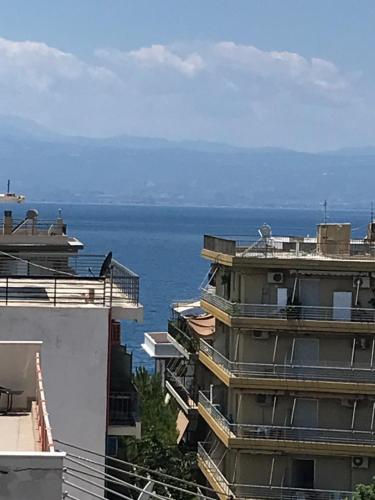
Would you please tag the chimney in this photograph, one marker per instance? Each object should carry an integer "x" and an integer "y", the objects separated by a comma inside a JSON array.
[
  {"x": 8, "y": 222},
  {"x": 333, "y": 239}
]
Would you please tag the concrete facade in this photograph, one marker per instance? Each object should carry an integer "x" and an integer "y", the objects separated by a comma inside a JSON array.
[{"x": 290, "y": 402}]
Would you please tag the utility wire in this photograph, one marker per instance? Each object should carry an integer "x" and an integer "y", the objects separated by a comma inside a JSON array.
[
  {"x": 113, "y": 479},
  {"x": 84, "y": 490},
  {"x": 68, "y": 495},
  {"x": 36, "y": 265},
  {"x": 140, "y": 467},
  {"x": 134, "y": 466},
  {"x": 134, "y": 474},
  {"x": 109, "y": 490}
]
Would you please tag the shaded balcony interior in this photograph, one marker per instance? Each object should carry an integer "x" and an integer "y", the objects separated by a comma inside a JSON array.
[
  {"x": 268, "y": 355},
  {"x": 237, "y": 475},
  {"x": 285, "y": 418},
  {"x": 123, "y": 404}
]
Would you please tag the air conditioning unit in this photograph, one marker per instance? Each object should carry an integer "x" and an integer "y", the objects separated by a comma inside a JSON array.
[
  {"x": 264, "y": 399},
  {"x": 364, "y": 281},
  {"x": 261, "y": 335},
  {"x": 348, "y": 403},
  {"x": 359, "y": 462},
  {"x": 275, "y": 277}
]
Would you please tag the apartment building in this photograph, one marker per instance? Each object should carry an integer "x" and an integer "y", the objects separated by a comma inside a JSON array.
[
  {"x": 290, "y": 403},
  {"x": 176, "y": 359},
  {"x": 31, "y": 468},
  {"x": 75, "y": 304}
]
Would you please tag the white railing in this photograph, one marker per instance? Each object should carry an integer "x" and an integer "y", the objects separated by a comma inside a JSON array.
[
  {"x": 252, "y": 491},
  {"x": 329, "y": 370},
  {"x": 273, "y": 311},
  {"x": 285, "y": 433}
]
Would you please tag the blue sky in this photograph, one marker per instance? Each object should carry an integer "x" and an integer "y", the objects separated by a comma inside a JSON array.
[{"x": 288, "y": 73}]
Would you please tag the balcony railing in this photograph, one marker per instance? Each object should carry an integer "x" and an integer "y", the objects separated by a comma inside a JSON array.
[
  {"x": 184, "y": 386},
  {"x": 252, "y": 491},
  {"x": 329, "y": 371},
  {"x": 188, "y": 342},
  {"x": 273, "y": 311},
  {"x": 44, "y": 427},
  {"x": 66, "y": 280},
  {"x": 123, "y": 408},
  {"x": 289, "y": 247},
  {"x": 285, "y": 433}
]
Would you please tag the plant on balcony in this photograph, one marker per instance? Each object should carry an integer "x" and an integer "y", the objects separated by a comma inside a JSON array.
[{"x": 364, "y": 492}]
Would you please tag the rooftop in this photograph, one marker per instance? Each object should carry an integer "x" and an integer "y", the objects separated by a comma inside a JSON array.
[
  {"x": 332, "y": 243},
  {"x": 33, "y": 233}
]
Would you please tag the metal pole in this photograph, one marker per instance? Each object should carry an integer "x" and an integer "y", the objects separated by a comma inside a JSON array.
[
  {"x": 6, "y": 291},
  {"x": 353, "y": 352},
  {"x": 275, "y": 349},
  {"x": 55, "y": 292}
]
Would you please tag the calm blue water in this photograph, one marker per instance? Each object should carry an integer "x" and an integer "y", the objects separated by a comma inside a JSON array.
[{"x": 162, "y": 244}]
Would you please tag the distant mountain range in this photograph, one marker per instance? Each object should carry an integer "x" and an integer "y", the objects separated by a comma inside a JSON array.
[{"x": 48, "y": 166}]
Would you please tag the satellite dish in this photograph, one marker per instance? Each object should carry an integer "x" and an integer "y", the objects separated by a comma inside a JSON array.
[
  {"x": 106, "y": 266},
  {"x": 265, "y": 231}
]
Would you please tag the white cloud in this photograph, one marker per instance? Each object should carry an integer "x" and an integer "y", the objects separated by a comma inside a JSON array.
[{"x": 216, "y": 91}]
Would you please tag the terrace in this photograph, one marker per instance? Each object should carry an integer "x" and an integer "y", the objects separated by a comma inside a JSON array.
[
  {"x": 336, "y": 377},
  {"x": 65, "y": 280},
  {"x": 345, "y": 441}
]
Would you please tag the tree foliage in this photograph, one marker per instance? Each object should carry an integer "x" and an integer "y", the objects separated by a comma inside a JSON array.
[
  {"x": 364, "y": 492},
  {"x": 157, "y": 449}
]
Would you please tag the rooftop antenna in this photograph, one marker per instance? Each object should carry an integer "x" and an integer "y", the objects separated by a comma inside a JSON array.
[
  {"x": 325, "y": 211},
  {"x": 8, "y": 188},
  {"x": 372, "y": 212}
]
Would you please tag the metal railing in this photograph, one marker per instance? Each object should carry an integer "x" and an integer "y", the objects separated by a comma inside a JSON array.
[
  {"x": 66, "y": 280},
  {"x": 183, "y": 385},
  {"x": 123, "y": 408},
  {"x": 44, "y": 427},
  {"x": 260, "y": 492},
  {"x": 35, "y": 227},
  {"x": 286, "y": 433},
  {"x": 188, "y": 342},
  {"x": 273, "y": 311},
  {"x": 330, "y": 371},
  {"x": 290, "y": 247}
]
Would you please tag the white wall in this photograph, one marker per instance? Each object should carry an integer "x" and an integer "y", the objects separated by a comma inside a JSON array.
[
  {"x": 31, "y": 476},
  {"x": 74, "y": 366},
  {"x": 18, "y": 370}
]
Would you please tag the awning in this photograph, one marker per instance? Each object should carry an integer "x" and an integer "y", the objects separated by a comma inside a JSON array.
[
  {"x": 204, "y": 325},
  {"x": 181, "y": 425},
  {"x": 188, "y": 308}
]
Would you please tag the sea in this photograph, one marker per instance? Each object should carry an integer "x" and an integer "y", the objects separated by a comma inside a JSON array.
[{"x": 163, "y": 244}]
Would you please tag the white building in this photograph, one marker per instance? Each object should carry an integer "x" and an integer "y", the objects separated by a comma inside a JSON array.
[{"x": 73, "y": 304}]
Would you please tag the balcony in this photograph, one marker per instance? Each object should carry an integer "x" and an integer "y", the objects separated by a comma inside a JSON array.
[
  {"x": 181, "y": 387},
  {"x": 326, "y": 377},
  {"x": 123, "y": 419},
  {"x": 188, "y": 342},
  {"x": 290, "y": 439},
  {"x": 226, "y": 490},
  {"x": 68, "y": 281},
  {"x": 273, "y": 315}
]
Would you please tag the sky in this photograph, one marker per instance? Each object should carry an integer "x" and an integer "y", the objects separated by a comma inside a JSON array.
[{"x": 283, "y": 73}]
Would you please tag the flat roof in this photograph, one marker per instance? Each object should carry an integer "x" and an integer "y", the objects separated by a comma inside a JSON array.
[{"x": 17, "y": 433}]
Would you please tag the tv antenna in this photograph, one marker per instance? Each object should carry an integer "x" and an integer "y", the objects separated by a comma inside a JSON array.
[{"x": 325, "y": 204}]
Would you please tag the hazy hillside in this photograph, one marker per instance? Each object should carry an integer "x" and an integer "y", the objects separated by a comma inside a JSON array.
[{"x": 48, "y": 166}]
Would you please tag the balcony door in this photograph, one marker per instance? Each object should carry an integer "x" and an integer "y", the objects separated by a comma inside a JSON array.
[
  {"x": 305, "y": 413},
  {"x": 303, "y": 472},
  {"x": 342, "y": 303},
  {"x": 306, "y": 352},
  {"x": 309, "y": 292}
]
